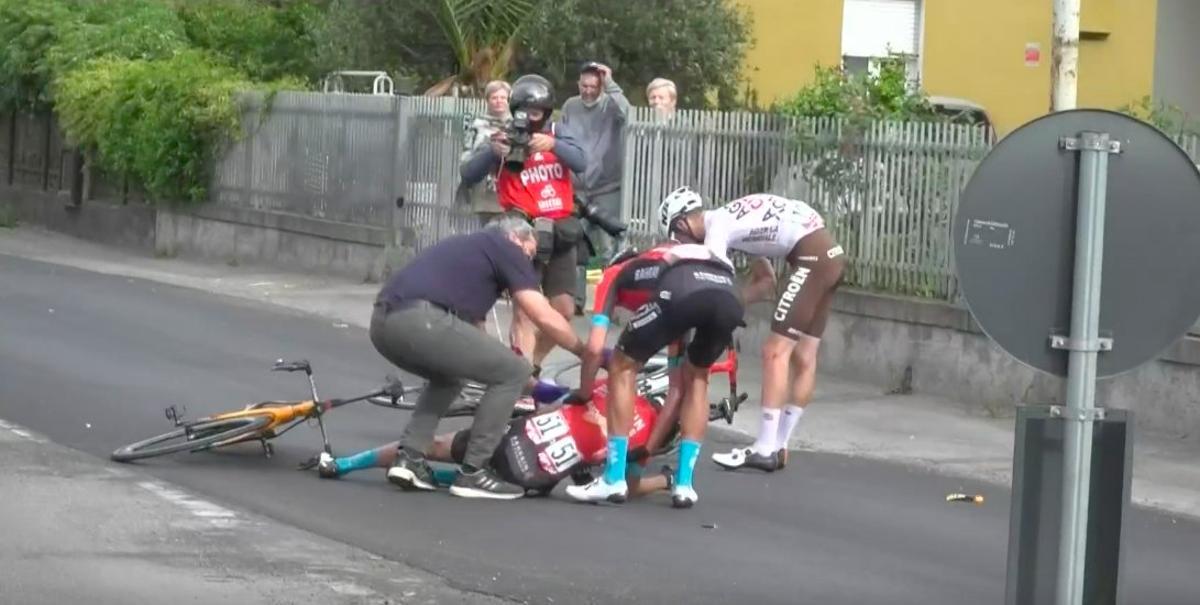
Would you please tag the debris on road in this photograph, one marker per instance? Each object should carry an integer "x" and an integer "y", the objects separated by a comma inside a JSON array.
[{"x": 977, "y": 498}]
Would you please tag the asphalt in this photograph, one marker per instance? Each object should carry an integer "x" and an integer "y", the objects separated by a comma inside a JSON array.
[
  {"x": 90, "y": 359},
  {"x": 77, "y": 530}
]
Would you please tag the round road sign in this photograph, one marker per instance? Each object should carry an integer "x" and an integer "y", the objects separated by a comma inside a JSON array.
[{"x": 1014, "y": 241}]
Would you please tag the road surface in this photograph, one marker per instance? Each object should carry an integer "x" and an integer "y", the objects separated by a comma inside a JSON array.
[{"x": 91, "y": 360}]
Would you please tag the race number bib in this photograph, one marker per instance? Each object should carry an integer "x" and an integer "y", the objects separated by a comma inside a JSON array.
[
  {"x": 560, "y": 456},
  {"x": 545, "y": 428}
]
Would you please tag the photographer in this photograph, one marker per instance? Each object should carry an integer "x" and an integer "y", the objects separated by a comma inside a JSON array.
[{"x": 532, "y": 162}]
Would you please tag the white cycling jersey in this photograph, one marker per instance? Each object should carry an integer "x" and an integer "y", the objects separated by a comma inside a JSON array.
[{"x": 761, "y": 225}]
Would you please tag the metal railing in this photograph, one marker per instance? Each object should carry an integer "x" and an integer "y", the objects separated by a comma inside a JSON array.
[{"x": 888, "y": 190}]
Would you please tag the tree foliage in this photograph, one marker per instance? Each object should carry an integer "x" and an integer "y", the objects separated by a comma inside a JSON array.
[
  {"x": 698, "y": 44},
  {"x": 263, "y": 41},
  {"x": 702, "y": 50},
  {"x": 126, "y": 29},
  {"x": 28, "y": 30}
]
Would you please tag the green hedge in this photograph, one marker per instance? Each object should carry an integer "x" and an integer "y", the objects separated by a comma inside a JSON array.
[
  {"x": 162, "y": 122},
  {"x": 148, "y": 86}
]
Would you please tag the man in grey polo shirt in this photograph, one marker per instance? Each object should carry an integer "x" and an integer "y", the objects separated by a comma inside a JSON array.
[{"x": 596, "y": 118}]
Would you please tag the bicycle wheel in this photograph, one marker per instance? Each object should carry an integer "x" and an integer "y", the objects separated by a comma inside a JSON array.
[{"x": 196, "y": 437}]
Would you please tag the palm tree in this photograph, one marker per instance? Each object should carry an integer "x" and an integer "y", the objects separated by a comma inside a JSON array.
[{"x": 483, "y": 36}]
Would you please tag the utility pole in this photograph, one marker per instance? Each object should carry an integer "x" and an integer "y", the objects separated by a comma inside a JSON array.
[
  {"x": 1077, "y": 454},
  {"x": 1064, "y": 55}
]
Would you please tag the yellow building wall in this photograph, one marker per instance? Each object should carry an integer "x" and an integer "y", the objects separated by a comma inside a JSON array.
[
  {"x": 972, "y": 49},
  {"x": 790, "y": 37},
  {"x": 1119, "y": 69}
]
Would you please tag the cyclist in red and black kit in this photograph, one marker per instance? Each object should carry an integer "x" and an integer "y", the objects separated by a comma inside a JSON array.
[
  {"x": 540, "y": 450},
  {"x": 677, "y": 289}
]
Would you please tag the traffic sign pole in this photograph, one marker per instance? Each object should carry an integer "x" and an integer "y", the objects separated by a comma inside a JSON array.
[{"x": 1084, "y": 346}]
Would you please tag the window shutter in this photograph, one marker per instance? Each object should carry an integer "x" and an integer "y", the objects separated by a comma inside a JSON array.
[{"x": 870, "y": 27}]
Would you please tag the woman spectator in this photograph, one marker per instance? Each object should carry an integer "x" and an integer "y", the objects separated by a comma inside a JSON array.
[
  {"x": 482, "y": 197},
  {"x": 662, "y": 95}
]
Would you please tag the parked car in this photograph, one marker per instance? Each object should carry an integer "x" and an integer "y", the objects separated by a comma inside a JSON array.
[{"x": 964, "y": 111}]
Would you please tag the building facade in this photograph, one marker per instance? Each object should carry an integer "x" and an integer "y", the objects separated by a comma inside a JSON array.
[{"x": 995, "y": 53}]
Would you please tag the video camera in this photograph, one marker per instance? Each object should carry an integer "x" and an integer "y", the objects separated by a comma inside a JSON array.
[
  {"x": 595, "y": 216},
  {"x": 519, "y": 133}
]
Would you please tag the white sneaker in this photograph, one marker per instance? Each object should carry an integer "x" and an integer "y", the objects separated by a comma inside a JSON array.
[
  {"x": 599, "y": 490},
  {"x": 683, "y": 496}
]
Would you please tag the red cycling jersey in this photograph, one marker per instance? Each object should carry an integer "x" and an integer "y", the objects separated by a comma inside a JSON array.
[{"x": 630, "y": 284}]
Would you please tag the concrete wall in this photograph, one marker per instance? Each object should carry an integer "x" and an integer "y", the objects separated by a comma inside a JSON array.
[
  {"x": 929, "y": 347},
  {"x": 216, "y": 233},
  {"x": 282, "y": 240},
  {"x": 129, "y": 226}
]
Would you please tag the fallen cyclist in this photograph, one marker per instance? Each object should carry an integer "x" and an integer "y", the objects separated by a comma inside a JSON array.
[{"x": 539, "y": 450}]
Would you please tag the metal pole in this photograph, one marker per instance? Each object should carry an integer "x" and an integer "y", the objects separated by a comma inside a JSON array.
[
  {"x": 1081, "y": 364},
  {"x": 1064, "y": 69}
]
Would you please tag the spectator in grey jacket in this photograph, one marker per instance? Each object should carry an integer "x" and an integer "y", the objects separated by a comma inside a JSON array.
[{"x": 596, "y": 117}]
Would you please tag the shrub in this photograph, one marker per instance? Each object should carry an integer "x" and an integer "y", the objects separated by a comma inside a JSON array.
[
  {"x": 162, "y": 122},
  {"x": 886, "y": 95}
]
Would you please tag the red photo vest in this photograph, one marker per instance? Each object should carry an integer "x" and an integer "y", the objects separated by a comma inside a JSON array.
[{"x": 542, "y": 188}]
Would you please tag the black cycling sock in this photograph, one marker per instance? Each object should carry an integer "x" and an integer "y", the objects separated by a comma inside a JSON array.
[{"x": 467, "y": 469}]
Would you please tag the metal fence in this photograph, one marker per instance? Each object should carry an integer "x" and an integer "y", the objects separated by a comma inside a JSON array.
[
  {"x": 886, "y": 189},
  {"x": 327, "y": 156},
  {"x": 435, "y": 132}
]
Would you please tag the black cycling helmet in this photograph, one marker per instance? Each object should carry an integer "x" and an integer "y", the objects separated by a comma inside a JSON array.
[{"x": 532, "y": 92}]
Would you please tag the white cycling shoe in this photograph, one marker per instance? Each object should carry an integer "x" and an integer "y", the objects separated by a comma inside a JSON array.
[
  {"x": 683, "y": 496},
  {"x": 600, "y": 490},
  {"x": 748, "y": 458}
]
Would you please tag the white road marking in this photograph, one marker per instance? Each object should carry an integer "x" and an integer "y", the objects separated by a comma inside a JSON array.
[
  {"x": 21, "y": 432},
  {"x": 216, "y": 515}
]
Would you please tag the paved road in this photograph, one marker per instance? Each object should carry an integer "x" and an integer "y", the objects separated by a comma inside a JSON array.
[{"x": 90, "y": 360}]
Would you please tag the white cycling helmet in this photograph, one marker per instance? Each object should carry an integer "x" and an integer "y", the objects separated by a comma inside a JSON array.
[{"x": 680, "y": 201}]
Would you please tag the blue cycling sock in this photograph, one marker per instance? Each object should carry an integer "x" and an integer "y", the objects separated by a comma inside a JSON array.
[
  {"x": 689, "y": 451},
  {"x": 357, "y": 462},
  {"x": 444, "y": 476},
  {"x": 618, "y": 447}
]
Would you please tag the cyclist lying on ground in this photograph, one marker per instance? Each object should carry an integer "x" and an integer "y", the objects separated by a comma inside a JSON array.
[{"x": 540, "y": 449}]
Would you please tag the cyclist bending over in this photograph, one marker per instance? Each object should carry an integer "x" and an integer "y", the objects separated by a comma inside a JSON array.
[
  {"x": 771, "y": 227},
  {"x": 689, "y": 288}
]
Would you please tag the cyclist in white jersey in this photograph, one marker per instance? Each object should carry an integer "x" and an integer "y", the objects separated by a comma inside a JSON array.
[{"x": 771, "y": 227}]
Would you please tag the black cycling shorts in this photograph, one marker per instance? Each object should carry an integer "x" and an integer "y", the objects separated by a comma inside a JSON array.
[{"x": 691, "y": 295}]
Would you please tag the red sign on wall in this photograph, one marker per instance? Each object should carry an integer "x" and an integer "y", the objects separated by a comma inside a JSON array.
[{"x": 1033, "y": 54}]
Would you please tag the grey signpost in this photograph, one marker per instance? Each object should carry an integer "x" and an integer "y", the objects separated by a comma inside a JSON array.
[{"x": 1075, "y": 247}]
